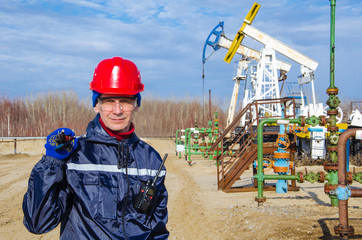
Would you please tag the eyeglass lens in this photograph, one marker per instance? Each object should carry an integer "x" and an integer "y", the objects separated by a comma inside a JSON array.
[{"x": 126, "y": 104}]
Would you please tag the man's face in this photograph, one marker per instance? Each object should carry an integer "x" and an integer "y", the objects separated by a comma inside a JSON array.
[{"x": 116, "y": 111}]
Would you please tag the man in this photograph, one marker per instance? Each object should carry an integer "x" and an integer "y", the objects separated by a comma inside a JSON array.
[{"x": 89, "y": 184}]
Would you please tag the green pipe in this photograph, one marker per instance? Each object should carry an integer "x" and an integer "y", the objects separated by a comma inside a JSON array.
[
  {"x": 188, "y": 146},
  {"x": 281, "y": 177},
  {"x": 260, "y": 173},
  {"x": 177, "y": 136},
  {"x": 277, "y": 177},
  {"x": 188, "y": 132},
  {"x": 334, "y": 200},
  {"x": 186, "y": 139},
  {"x": 332, "y": 178},
  {"x": 196, "y": 153},
  {"x": 333, "y": 103},
  {"x": 198, "y": 148},
  {"x": 212, "y": 133},
  {"x": 333, "y": 17}
]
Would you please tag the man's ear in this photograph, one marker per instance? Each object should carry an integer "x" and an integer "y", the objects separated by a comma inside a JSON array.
[{"x": 96, "y": 108}]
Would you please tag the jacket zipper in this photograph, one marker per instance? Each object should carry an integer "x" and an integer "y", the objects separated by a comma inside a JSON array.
[{"x": 119, "y": 165}]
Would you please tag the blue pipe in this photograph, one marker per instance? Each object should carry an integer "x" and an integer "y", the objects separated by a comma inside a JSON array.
[{"x": 347, "y": 154}]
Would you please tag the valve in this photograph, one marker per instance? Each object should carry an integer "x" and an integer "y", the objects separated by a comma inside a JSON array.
[
  {"x": 333, "y": 101},
  {"x": 298, "y": 129},
  {"x": 267, "y": 164},
  {"x": 333, "y": 138},
  {"x": 358, "y": 177},
  {"x": 313, "y": 121},
  {"x": 311, "y": 177},
  {"x": 283, "y": 141}
]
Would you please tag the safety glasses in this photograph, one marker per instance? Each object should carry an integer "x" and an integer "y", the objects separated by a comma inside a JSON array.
[{"x": 126, "y": 104}]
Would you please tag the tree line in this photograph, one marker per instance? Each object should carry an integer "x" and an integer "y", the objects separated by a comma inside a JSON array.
[{"x": 41, "y": 114}]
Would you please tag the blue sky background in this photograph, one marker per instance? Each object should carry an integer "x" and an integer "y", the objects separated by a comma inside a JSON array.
[{"x": 56, "y": 44}]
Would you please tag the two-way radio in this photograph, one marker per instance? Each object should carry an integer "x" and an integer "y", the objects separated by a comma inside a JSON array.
[{"x": 147, "y": 192}]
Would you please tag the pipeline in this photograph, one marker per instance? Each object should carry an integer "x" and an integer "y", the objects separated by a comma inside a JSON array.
[
  {"x": 333, "y": 103},
  {"x": 281, "y": 163},
  {"x": 330, "y": 176},
  {"x": 192, "y": 137},
  {"x": 343, "y": 192},
  {"x": 260, "y": 177}
]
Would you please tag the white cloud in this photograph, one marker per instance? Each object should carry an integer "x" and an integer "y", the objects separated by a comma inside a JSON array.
[
  {"x": 165, "y": 38},
  {"x": 82, "y": 3}
]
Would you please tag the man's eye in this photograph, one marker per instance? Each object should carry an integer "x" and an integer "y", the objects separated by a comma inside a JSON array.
[{"x": 109, "y": 101}]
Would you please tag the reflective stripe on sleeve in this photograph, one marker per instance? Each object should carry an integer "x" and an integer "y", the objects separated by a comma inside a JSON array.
[{"x": 114, "y": 168}]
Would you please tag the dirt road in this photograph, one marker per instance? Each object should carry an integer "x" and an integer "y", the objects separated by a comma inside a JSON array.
[{"x": 197, "y": 210}]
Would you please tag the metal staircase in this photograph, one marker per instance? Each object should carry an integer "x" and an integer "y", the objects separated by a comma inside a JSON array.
[{"x": 237, "y": 147}]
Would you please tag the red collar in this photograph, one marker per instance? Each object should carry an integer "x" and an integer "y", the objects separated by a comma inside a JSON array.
[{"x": 118, "y": 135}]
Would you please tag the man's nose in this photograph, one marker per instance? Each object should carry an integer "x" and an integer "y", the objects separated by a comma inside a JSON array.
[{"x": 117, "y": 108}]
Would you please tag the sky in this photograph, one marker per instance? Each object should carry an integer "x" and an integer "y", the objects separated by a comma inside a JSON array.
[{"x": 55, "y": 45}]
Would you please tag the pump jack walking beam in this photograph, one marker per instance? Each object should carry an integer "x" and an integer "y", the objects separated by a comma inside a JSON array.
[
  {"x": 247, "y": 29},
  {"x": 240, "y": 34}
]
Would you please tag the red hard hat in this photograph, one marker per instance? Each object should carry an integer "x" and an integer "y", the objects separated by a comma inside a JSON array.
[{"x": 117, "y": 76}]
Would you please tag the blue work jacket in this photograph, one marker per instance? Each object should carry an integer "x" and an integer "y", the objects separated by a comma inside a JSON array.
[{"x": 92, "y": 192}]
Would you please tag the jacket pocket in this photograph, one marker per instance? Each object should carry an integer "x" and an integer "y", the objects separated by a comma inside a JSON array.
[
  {"x": 98, "y": 194},
  {"x": 88, "y": 192},
  {"x": 108, "y": 195}
]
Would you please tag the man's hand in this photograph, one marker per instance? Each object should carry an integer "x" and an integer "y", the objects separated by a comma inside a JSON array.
[{"x": 61, "y": 143}]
